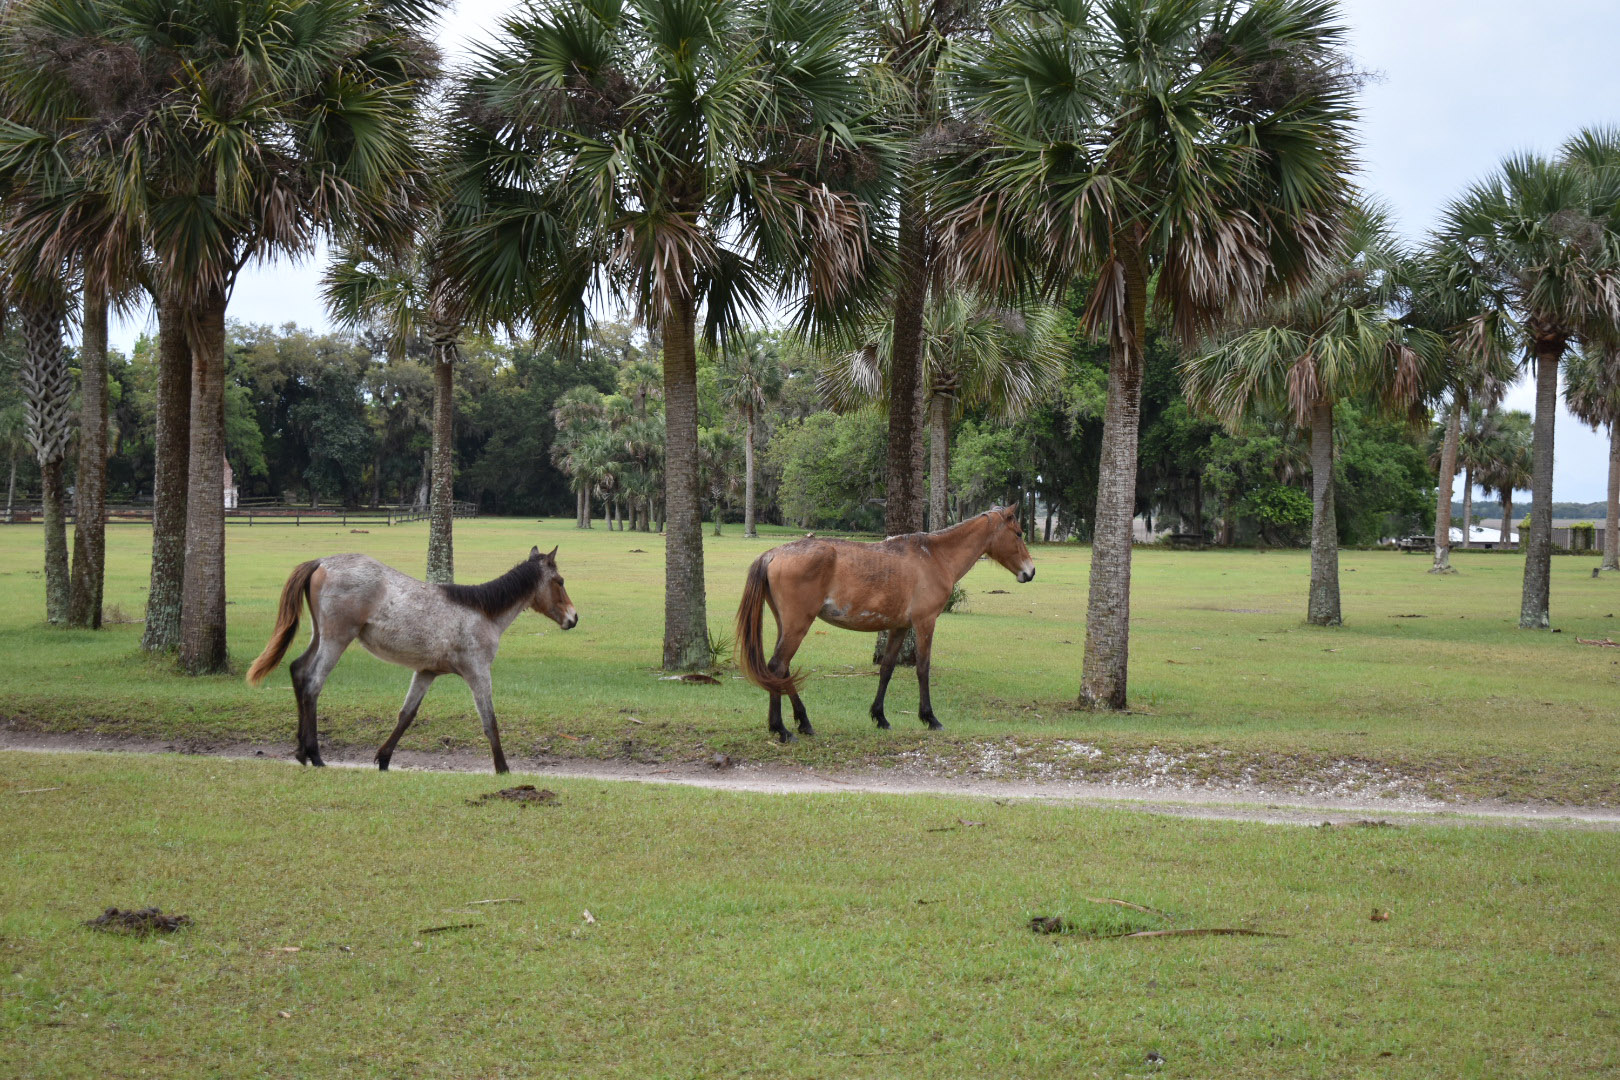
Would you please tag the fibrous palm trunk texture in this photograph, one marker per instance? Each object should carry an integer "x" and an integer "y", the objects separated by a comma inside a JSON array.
[
  {"x": 47, "y": 402},
  {"x": 172, "y": 461}
]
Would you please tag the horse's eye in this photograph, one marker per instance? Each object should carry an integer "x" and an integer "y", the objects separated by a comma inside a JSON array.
[{"x": 559, "y": 583}]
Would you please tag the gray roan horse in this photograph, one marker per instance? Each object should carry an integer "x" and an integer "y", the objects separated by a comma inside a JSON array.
[{"x": 432, "y": 629}]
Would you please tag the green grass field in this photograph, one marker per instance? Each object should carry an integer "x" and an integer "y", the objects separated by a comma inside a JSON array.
[
  {"x": 1429, "y": 687},
  {"x": 779, "y": 936}
]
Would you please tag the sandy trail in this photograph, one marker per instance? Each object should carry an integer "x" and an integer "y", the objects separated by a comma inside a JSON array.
[{"x": 1221, "y": 805}]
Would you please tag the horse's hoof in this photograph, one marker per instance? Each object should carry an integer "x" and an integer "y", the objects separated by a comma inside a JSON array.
[
  {"x": 933, "y": 725},
  {"x": 807, "y": 731},
  {"x": 785, "y": 737},
  {"x": 382, "y": 764},
  {"x": 882, "y": 722}
]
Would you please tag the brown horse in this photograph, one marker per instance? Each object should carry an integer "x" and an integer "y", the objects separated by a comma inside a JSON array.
[
  {"x": 432, "y": 629},
  {"x": 901, "y": 582}
]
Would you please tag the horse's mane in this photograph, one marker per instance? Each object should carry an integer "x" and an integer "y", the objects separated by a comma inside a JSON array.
[{"x": 497, "y": 597}]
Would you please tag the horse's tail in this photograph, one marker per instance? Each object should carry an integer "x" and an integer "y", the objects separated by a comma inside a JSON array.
[
  {"x": 293, "y": 595},
  {"x": 751, "y": 633}
]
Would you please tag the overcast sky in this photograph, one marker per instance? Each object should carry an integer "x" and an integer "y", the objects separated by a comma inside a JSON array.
[{"x": 1461, "y": 83}]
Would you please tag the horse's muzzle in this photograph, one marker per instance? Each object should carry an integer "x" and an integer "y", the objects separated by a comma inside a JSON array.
[
  {"x": 571, "y": 621},
  {"x": 1026, "y": 575}
]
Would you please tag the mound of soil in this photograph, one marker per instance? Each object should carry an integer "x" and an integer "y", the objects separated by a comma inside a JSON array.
[
  {"x": 523, "y": 794},
  {"x": 140, "y": 923}
]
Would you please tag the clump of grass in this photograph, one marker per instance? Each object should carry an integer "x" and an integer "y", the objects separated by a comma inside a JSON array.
[{"x": 1098, "y": 919}]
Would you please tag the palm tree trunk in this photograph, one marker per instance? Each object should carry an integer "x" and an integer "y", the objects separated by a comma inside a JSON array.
[
  {"x": 579, "y": 508},
  {"x": 11, "y": 488},
  {"x": 1108, "y": 606},
  {"x": 749, "y": 531},
  {"x": 686, "y": 628},
  {"x": 1611, "y": 524},
  {"x": 202, "y": 616},
  {"x": 939, "y": 461},
  {"x": 1442, "y": 498},
  {"x": 1324, "y": 603},
  {"x": 1534, "y": 603},
  {"x": 90, "y": 492},
  {"x": 1507, "y": 516},
  {"x": 53, "y": 513},
  {"x": 441, "y": 558},
  {"x": 48, "y": 398},
  {"x": 172, "y": 461},
  {"x": 905, "y": 499},
  {"x": 1468, "y": 508}
]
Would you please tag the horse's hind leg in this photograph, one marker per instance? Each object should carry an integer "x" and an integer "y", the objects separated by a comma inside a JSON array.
[
  {"x": 788, "y": 639},
  {"x": 478, "y": 682},
  {"x": 309, "y": 675},
  {"x": 891, "y": 656},
  {"x": 925, "y": 656},
  {"x": 801, "y": 716},
  {"x": 420, "y": 681}
]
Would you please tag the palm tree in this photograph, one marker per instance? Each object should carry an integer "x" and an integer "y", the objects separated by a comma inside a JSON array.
[
  {"x": 1454, "y": 302},
  {"x": 750, "y": 379},
  {"x": 912, "y": 41},
  {"x": 1200, "y": 145},
  {"x": 1505, "y": 465},
  {"x": 242, "y": 131},
  {"x": 689, "y": 158},
  {"x": 47, "y": 387},
  {"x": 643, "y": 442},
  {"x": 1330, "y": 341},
  {"x": 171, "y": 454},
  {"x": 60, "y": 225},
  {"x": 717, "y": 461},
  {"x": 1543, "y": 231},
  {"x": 1473, "y": 452},
  {"x": 979, "y": 355},
  {"x": 403, "y": 294},
  {"x": 1592, "y": 388},
  {"x": 576, "y": 414}
]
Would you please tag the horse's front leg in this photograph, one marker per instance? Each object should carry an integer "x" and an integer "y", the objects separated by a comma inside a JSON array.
[
  {"x": 484, "y": 699},
  {"x": 891, "y": 656},
  {"x": 925, "y": 656},
  {"x": 420, "y": 682}
]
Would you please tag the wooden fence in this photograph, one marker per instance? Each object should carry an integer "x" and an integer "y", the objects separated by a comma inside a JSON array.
[{"x": 255, "y": 512}]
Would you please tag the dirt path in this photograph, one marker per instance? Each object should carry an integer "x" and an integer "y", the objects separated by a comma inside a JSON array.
[{"x": 1226, "y": 805}]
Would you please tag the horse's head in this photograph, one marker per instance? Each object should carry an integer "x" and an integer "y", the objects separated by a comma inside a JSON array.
[
  {"x": 550, "y": 598},
  {"x": 1007, "y": 544}
]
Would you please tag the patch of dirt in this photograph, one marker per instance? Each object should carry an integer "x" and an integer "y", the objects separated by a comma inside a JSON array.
[
  {"x": 523, "y": 794},
  {"x": 140, "y": 923}
]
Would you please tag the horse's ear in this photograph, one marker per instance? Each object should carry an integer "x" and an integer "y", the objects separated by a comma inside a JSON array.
[
  {"x": 551, "y": 557},
  {"x": 1009, "y": 511},
  {"x": 534, "y": 553}
]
